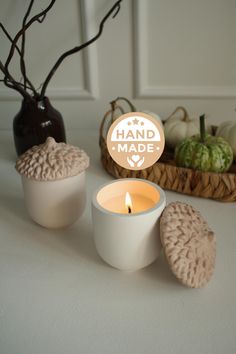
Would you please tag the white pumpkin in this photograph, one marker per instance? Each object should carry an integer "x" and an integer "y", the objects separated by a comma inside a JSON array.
[
  {"x": 154, "y": 115},
  {"x": 177, "y": 128},
  {"x": 133, "y": 109},
  {"x": 227, "y": 130}
]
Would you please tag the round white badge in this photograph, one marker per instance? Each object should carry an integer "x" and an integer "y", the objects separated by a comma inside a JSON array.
[{"x": 135, "y": 140}]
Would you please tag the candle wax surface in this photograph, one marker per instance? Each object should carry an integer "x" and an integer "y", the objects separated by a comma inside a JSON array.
[{"x": 139, "y": 203}]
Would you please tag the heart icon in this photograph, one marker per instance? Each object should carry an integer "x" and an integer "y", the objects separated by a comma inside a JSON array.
[{"x": 135, "y": 158}]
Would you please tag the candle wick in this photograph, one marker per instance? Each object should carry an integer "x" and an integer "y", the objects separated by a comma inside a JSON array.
[{"x": 129, "y": 210}]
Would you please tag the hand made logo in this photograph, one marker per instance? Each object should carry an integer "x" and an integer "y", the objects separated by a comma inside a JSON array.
[{"x": 135, "y": 140}]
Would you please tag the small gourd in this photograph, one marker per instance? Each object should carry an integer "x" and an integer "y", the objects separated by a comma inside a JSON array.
[
  {"x": 117, "y": 110},
  {"x": 177, "y": 128},
  {"x": 204, "y": 152},
  {"x": 227, "y": 130}
]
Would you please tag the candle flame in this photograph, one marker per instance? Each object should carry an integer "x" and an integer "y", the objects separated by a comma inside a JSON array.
[{"x": 128, "y": 202}]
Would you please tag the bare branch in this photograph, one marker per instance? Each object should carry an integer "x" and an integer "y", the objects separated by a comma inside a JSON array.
[
  {"x": 19, "y": 83},
  {"x": 22, "y": 61},
  {"x": 10, "y": 82},
  {"x": 22, "y": 31},
  {"x": 79, "y": 48},
  {"x": 30, "y": 85},
  {"x": 40, "y": 20},
  {"x": 22, "y": 87}
]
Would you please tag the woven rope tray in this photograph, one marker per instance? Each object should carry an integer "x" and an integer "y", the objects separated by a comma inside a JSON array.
[{"x": 218, "y": 186}]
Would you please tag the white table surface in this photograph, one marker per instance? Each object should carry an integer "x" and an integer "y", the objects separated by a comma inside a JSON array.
[{"x": 58, "y": 296}]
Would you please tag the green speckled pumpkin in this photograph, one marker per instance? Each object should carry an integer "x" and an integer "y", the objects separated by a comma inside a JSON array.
[{"x": 204, "y": 152}]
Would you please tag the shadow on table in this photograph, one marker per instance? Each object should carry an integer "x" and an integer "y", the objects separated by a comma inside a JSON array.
[
  {"x": 75, "y": 241},
  {"x": 160, "y": 273},
  {"x": 12, "y": 209}
]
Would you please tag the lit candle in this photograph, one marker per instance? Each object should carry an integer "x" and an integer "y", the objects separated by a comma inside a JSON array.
[
  {"x": 126, "y": 222},
  {"x": 128, "y": 202}
]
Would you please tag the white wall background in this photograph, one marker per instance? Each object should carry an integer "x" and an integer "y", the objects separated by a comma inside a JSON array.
[{"x": 160, "y": 53}]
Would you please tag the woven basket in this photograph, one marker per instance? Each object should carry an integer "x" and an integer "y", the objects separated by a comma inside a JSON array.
[{"x": 218, "y": 186}]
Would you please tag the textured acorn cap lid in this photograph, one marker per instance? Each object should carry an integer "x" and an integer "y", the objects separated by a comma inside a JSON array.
[
  {"x": 189, "y": 244},
  {"x": 52, "y": 161}
]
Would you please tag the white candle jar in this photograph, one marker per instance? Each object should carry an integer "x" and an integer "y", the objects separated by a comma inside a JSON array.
[
  {"x": 128, "y": 241},
  {"x": 53, "y": 178},
  {"x": 55, "y": 204}
]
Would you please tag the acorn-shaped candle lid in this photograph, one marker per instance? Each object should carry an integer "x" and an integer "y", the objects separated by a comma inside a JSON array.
[
  {"x": 52, "y": 161},
  {"x": 189, "y": 244}
]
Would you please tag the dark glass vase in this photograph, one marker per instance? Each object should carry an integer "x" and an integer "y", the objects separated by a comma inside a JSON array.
[{"x": 36, "y": 121}]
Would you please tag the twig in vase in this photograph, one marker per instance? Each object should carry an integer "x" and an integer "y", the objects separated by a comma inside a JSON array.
[
  {"x": 19, "y": 83},
  {"x": 11, "y": 83},
  {"x": 78, "y": 48},
  {"x": 22, "y": 88},
  {"x": 25, "y": 78},
  {"x": 20, "y": 33},
  {"x": 22, "y": 54}
]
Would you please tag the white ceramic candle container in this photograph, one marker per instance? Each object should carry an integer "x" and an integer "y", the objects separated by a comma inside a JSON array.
[
  {"x": 128, "y": 238},
  {"x": 53, "y": 178}
]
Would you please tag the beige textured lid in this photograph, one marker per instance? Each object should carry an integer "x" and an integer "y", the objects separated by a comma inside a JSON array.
[
  {"x": 189, "y": 244},
  {"x": 52, "y": 161}
]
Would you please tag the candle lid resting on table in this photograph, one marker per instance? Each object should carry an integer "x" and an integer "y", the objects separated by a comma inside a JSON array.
[
  {"x": 189, "y": 244},
  {"x": 52, "y": 161}
]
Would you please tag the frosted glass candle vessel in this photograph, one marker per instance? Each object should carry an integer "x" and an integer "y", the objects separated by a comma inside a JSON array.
[
  {"x": 53, "y": 178},
  {"x": 126, "y": 230}
]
